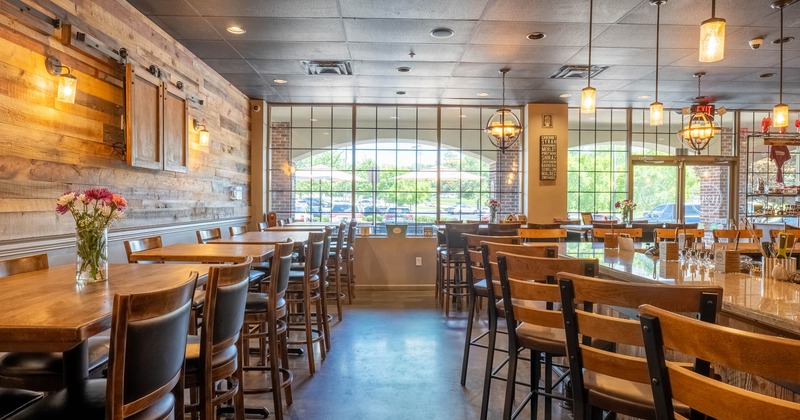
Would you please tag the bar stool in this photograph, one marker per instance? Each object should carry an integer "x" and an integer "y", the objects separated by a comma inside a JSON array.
[
  {"x": 503, "y": 229},
  {"x": 335, "y": 269},
  {"x": 304, "y": 293},
  {"x": 348, "y": 259},
  {"x": 259, "y": 270},
  {"x": 453, "y": 263}
]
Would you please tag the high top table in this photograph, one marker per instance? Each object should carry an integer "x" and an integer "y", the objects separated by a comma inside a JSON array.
[
  {"x": 208, "y": 253},
  {"x": 46, "y": 310}
]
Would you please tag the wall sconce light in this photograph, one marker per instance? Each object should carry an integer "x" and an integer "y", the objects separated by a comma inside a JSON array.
[
  {"x": 67, "y": 83},
  {"x": 203, "y": 139}
]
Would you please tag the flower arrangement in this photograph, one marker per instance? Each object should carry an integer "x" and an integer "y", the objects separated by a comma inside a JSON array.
[
  {"x": 626, "y": 207},
  {"x": 94, "y": 210},
  {"x": 494, "y": 205}
]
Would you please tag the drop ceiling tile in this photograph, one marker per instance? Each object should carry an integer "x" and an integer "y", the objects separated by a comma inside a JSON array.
[
  {"x": 321, "y": 81},
  {"x": 494, "y": 82},
  {"x": 291, "y": 50},
  {"x": 401, "y": 82},
  {"x": 383, "y": 92},
  {"x": 504, "y": 54},
  {"x": 211, "y": 49},
  {"x": 192, "y": 28},
  {"x": 626, "y": 72},
  {"x": 244, "y": 79},
  {"x": 229, "y": 65},
  {"x": 629, "y": 56},
  {"x": 735, "y": 12},
  {"x": 513, "y": 97},
  {"x": 392, "y": 51},
  {"x": 413, "y": 9},
  {"x": 513, "y": 33},
  {"x": 406, "y": 31},
  {"x": 644, "y": 36},
  {"x": 561, "y": 11},
  {"x": 163, "y": 8},
  {"x": 271, "y": 8},
  {"x": 523, "y": 70},
  {"x": 575, "y": 86},
  {"x": 280, "y": 29},
  {"x": 418, "y": 68}
]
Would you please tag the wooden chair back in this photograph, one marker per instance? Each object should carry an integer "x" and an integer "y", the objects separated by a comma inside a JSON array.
[
  {"x": 23, "y": 265},
  {"x": 553, "y": 225},
  {"x": 586, "y": 218},
  {"x": 142, "y": 325},
  {"x": 337, "y": 247},
  {"x": 453, "y": 231},
  {"x": 474, "y": 241},
  {"x": 143, "y": 245},
  {"x": 537, "y": 250},
  {"x": 315, "y": 252},
  {"x": 729, "y": 235},
  {"x": 579, "y": 297},
  {"x": 600, "y": 233},
  {"x": 205, "y": 235},
  {"x": 543, "y": 269},
  {"x": 348, "y": 248},
  {"x": 272, "y": 219},
  {"x": 673, "y": 233},
  {"x": 751, "y": 353},
  {"x": 280, "y": 271},
  {"x": 556, "y": 235},
  {"x": 773, "y": 233},
  {"x": 504, "y": 229},
  {"x": 262, "y": 226},
  {"x": 237, "y": 230}
]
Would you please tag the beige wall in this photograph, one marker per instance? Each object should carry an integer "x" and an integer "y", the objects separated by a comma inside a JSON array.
[
  {"x": 389, "y": 263},
  {"x": 545, "y": 200}
]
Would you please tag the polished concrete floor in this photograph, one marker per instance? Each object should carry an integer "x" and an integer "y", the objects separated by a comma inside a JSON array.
[{"x": 395, "y": 356}]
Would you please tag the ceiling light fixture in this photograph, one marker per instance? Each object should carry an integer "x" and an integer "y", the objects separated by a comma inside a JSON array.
[
  {"x": 536, "y": 35},
  {"x": 236, "y": 30},
  {"x": 701, "y": 128},
  {"x": 780, "y": 112},
  {"x": 503, "y": 127},
  {"x": 643, "y": 97},
  {"x": 712, "y": 37},
  {"x": 280, "y": 81},
  {"x": 442, "y": 33},
  {"x": 565, "y": 95},
  {"x": 404, "y": 69},
  {"x": 67, "y": 83},
  {"x": 589, "y": 94},
  {"x": 401, "y": 92},
  {"x": 483, "y": 93},
  {"x": 657, "y": 108}
]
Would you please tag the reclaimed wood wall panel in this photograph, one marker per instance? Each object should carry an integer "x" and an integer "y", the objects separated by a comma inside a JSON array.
[{"x": 48, "y": 147}]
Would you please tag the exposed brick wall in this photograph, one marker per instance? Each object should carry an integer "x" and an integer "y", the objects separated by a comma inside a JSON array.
[
  {"x": 281, "y": 183},
  {"x": 714, "y": 194},
  {"x": 505, "y": 182}
]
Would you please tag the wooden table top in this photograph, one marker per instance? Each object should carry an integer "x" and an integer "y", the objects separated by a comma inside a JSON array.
[
  {"x": 209, "y": 253},
  {"x": 293, "y": 228},
  {"x": 45, "y": 310},
  {"x": 268, "y": 238}
]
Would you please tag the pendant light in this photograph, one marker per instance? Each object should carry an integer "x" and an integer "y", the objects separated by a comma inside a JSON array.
[
  {"x": 589, "y": 94},
  {"x": 503, "y": 127},
  {"x": 657, "y": 108},
  {"x": 712, "y": 37},
  {"x": 780, "y": 113},
  {"x": 697, "y": 135}
]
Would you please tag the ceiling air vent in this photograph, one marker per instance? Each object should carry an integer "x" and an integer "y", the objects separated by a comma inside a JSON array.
[
  {"x": 343, "y": 68},
  {"x": 577, "y": 72}
]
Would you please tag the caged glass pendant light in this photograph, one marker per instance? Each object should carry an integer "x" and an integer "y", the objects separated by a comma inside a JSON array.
[
  {"x": 589, "y": 94},
  {"x": 780, "y": 112},
  {"x": 712, "y": 37},
  {"x": 701, "y": 129},
  {"x": 503, "y": 127},
  {"x": 657, "y": 108}
]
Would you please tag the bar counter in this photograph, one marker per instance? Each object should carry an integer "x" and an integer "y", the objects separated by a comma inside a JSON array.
[{"x": 766, "y": 304}]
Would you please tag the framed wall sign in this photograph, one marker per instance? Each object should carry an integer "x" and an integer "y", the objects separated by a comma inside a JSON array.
[
  {"x": 548, "y": 157},
  {"x": 547, "y": 120}
]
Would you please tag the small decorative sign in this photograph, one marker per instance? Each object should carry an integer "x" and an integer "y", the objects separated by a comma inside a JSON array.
[{"x": 548, "y": 157}]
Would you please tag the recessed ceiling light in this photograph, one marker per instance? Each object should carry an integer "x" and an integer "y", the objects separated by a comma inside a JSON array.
[
  {"x": 536, "y": 35},
  {"x": 314, "y": 120},
  {"x": 236, "y": 30},
  {"x": 401, "y": 92},
  {"x": 442, "y": 33},
  {"x": 766, "y": 75},
  {"x": 783, "y": 40},
  {"x": 483, "y": 94},
  {"x": 463, "y": 116},
  {"x": 565, "y": 95},
  {"x": 393, "y": 117},
  {"x": 643, "y": 96},
  {"x": 279, "y": 81},
  {"x": 404, "y": 69}
]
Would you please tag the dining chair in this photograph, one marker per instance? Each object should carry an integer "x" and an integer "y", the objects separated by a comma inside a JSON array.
[
  {"x": 540, "y": 235},
  {"x": 750, "y": 353},
  {"x": 529, "y": 290},
  {"x": 143, "y": 244},
  {"x": 139, "y": 385},
  {"x": 600, "y": 233},
  {"x": 454, "y": 286},
  {"x": 41, "y": 371},
  {"x": 662, "y": 234},
  {"x": 205, "y": 235},
  {"x": 304, "y": 295},
  {"x": 586, "y": 218},
  {"x": 504, "y": 229},
  {"x": 773, "y": 233},
  {"x": 265, "y": 321},
  {"x": 729, "y": 235},
  {"x": 603, "y": 379},
  {"x": 263, "y": 226},
  {"x": 272, "y": 219},
  {"x": 237, "y": 230},
  {"x": 213, "y": 359}
]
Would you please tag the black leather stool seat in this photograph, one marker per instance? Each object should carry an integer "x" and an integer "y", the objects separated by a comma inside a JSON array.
[
  {"x": 43, "y": 371},
  {"x": 257, "y": 302},
  {"x": 89, "y": 402},
  {"x": 256, "y": 276},
  {"x": 193, "y": 358},
  {"x": 13, "y": 400}
]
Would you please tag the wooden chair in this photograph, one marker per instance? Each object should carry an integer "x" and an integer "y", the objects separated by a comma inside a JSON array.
[
  {"x": 773, "y": 233},
  {"x": 541, "y": 330},
  {"x": 556, "y": 235},
  {"x": 205, "y": 235},
  {"x": 265, "y": 320},
  {"x": 138, "y": 385},
  {"x": 751, "y": 353},
  {"x": 586, "y": 218},
  {"x": 304, "y": 295},
  {"x": 237, "y": 230},
  {"x": 142, "y": 245},
  {"x": 41, "y": 371},
  {"x": 262, "y": 226},
  {"x": 476, "y": 286},
  {"x": 613, "y": 382},
  {"x": 729, "y": 235},
  {"x": 599, "y": 233},
  {"x": 272, "y": 219},
  {"x": 544, "y": 225},
  {"x": 504, "y": 229},
  {"x": 213, "y": 364},
  {"x": 454, "y": 286},
  {"x": 662, "y": 234}
]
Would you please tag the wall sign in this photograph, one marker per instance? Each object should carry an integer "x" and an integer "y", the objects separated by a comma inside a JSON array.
[{"x": 548, "y": 158}]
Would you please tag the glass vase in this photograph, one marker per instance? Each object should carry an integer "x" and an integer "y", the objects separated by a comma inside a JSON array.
[
  {"x": 91, "y": 249},
  {"x": 493, "y": 216}
]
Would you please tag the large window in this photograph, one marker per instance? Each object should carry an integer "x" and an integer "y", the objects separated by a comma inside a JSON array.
[{"x": 386, "y": 164}]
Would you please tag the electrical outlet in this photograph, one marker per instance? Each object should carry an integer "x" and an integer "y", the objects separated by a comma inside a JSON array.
[{"x": 419, "y": 261}]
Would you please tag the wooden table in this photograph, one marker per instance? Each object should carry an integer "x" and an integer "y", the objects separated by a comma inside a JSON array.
[
  {"x": 293, "y": 228},
  {"x": 263, "y": 238},
  {"x": 45, "y": 310},
  {"x": 208, "y": 253}
]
